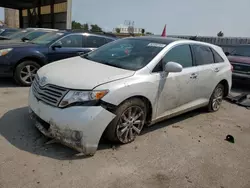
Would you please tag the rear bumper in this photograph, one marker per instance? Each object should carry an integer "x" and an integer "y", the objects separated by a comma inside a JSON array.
[{"x": 78, "y": 127}]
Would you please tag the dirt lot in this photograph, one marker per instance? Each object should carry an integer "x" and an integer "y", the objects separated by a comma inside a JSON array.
[{"x": 187, "y": 151}]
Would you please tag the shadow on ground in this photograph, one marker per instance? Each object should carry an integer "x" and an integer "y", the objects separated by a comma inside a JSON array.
[
  {"x": 18, "y": 129},
  {"x": 7, "y": 83}
]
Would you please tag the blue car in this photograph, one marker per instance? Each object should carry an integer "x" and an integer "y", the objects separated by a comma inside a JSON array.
[
  {"x": 7, "y": 31},
  {"x": 22, "y": 60}
]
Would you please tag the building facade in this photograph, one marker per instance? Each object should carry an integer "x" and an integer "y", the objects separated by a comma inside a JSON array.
[
  {"x": 124, "y": 29},
  {"x": 11, "y": 17}
]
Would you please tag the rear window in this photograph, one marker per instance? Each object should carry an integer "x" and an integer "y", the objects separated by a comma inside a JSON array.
[{"x": 217, "y": 57}]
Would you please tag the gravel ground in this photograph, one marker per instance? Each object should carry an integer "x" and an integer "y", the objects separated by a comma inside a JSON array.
[{"x": 186, "y": 151}]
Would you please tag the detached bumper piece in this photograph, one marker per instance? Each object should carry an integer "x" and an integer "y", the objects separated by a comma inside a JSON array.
[
  {"x": 241, "y": 100},
  {"x": 70, "y": 138}
]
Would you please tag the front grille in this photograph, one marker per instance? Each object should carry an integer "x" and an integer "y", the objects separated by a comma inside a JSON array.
[
  {"x": 49, "y": 94},
  {"x": 241, "y": 68}
]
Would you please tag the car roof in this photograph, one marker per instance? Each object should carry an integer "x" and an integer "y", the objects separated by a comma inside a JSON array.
[
  {"x": 106, "y": 35},
  {"x": 158, "y": 39}
]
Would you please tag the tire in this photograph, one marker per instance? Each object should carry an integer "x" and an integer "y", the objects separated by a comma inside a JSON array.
[
  {"x": 22, "y": 71},
  {"x": 122, "y": 129},
  {"x": 216, "y": 98}
]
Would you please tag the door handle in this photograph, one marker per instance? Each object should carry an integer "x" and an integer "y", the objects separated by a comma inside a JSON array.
[
  {"x": 193, "y": 75},
  {"x": 216, "y": 69}
]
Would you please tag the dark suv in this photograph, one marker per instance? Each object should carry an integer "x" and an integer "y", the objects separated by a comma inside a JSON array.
[
  {"x": 21, "y": 60},
  {"x": 240, "y": 60}
]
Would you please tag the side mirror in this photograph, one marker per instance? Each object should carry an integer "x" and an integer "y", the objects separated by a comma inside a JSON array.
[
  {"x": 24, "y": 39},
  {"x": 173, "y": 67},
  {"x": 56, "y": 46},
  {"x": 227, "y": 53}
]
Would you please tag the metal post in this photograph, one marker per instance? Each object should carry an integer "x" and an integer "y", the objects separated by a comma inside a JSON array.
[
  {"x": 52, "y": 17},
  {"x": 20, "y": 18},
  {"x": 69, "y": 12}
]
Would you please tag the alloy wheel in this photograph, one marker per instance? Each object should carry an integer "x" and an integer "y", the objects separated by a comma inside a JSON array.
[
  {"x": 28, "y": 73},
  {"x": 130, "y": 124},
  {"x": 217, "y": 100}
]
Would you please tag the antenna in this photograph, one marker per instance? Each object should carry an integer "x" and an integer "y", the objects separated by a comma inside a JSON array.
[{"x": 130, "y": 25}]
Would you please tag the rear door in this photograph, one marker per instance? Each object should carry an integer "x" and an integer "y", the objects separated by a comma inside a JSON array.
[
  {"x": 204, "y": 61},
  {"x": 70, "y": 46}
]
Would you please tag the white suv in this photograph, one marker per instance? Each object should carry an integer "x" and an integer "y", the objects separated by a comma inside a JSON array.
[{"x": 119, "y": 88}]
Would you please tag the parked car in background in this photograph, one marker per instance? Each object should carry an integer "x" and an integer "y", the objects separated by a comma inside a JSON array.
[
  {"x": 107, "y": 92},
  {"x": 240, "y": 60},
  {"x": 21, "y": 60},
  {"x": 7, "y": 31},
  {"x": 26, "y": 34}
]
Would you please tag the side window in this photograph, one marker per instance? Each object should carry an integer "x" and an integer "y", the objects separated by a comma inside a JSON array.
[
  {"x": 203, "y": 55},
  {"x": 94, "y": 42},
  {"x": 71, "y": 41},
  {"x": 180, "y": 54},
  {"x": 217, "y": 57}
]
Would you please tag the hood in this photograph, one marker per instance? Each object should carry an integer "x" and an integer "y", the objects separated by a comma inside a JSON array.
[
  {"x": 80, "y": 73},
  {"x": 15, "y": 44},
  {"x": 240, "y": 59}
]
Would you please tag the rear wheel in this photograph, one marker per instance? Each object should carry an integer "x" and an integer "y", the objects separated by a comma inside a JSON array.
[
  {"x": 25, "y": 72},
  {"x": 128, "y": 123},
  {"x": 216, "y": 98}
]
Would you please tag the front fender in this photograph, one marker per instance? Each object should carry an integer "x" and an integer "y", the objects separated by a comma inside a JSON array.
[{"x": 121, "y": 90}]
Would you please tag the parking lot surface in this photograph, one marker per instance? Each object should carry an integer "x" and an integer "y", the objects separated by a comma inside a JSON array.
[{"x": 187, "y": 151}]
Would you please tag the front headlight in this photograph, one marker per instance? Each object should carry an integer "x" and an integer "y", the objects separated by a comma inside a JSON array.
[
  {"x": 4, "y": 52},
  {"x": 82, "y": 96}
]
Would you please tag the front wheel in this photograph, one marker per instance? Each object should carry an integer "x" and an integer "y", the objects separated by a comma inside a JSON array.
[
  {"x": 216, "y": 98},
  {"x": 128, "y": 123},
  {"x": 25, "y": 72}
]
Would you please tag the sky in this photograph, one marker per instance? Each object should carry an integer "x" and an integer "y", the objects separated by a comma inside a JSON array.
[{"x": 183, "y": 17}]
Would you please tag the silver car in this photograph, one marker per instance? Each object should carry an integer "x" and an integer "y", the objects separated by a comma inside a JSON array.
[{"x": 125, "y": 85}]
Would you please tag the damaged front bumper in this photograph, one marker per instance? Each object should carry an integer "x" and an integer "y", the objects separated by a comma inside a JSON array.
[{"x": 78, "y": 127}]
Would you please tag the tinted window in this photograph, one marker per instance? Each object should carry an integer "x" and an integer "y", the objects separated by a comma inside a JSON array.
[
  {"x": 179, "y": 54},
  {"x": 203, "y": 55},
  {"x": 94, "y": 42},
  {"x": 71, "y": 41},
  {"x": 242, "y": 51},
  {"x": 217, "y": 57}
]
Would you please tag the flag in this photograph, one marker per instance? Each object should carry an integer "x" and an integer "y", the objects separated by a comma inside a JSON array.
[{"x": 164, "y": 32}]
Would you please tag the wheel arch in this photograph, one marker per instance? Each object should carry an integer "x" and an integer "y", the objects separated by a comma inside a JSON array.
[
  {"x": 224, "y": 82},
  {"x": 36, "y": 59},
  {"x": 146, "y": 102}
]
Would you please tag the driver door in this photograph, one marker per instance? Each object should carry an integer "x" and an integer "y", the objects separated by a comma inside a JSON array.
[
  {"x": 66, "y": 47},
  {"x": 176, "y": 90}
]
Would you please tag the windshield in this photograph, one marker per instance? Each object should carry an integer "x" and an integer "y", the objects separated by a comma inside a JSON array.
[
  {"x": 19, "y": 35},
  {"x": 242, "y": 51},
  {"x": 129, "y": 53},
  {"x": 35, "y": 34},
  {"x": 47, "y": 38}
]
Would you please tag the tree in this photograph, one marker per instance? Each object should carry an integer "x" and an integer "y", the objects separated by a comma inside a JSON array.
[
  {"x": 149, "y": 33},
  {"x": 220, "y": 34},
  {"x": 85, "y": 27},
  {"x": 95, "y": 28},
  {"x": 76, "y": 25},
  {"x": 117, "y": 30},
  {"x": 143, "y": 31}
]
